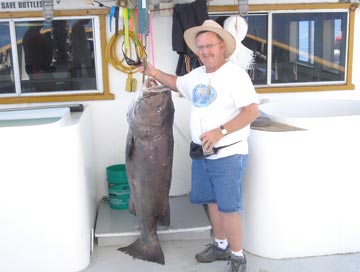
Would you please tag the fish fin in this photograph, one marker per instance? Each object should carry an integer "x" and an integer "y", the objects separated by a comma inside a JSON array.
[
  {"x": 148, "y": 251},
  {"x": 130, "y": 144},
  {"x": 131, "y": 206},
  {"x": 164, "y": 219}
]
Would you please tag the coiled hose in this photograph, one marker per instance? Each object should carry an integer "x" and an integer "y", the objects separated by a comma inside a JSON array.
[{"x": 113, "y": 58}]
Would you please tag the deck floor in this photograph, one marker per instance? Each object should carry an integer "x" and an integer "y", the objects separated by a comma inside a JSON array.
[
  {"x": 188, "y": 234},
  {"x": 119, "y": 227},
  {"x": 179, "y": 257}
]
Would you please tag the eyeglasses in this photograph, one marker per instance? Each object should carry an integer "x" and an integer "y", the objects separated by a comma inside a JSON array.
[
  {"x": 207, "y": 46},
  {"x": 129, "y": 61}
]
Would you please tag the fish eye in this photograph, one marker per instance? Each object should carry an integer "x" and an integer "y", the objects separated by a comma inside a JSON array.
[{"x": 159, "y": 110}]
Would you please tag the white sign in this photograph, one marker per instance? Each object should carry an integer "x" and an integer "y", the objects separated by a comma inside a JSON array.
[{"x": 20, "y": 5}]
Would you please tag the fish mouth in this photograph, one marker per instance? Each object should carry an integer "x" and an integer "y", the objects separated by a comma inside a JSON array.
[
  {"x": 157, "y": 89},
  {"x": 152, "y": 86},
  {"x": 150, "y": 82}
]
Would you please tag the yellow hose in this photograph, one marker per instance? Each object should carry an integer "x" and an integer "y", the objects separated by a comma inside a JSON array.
[{"x": 113, "y": 58}]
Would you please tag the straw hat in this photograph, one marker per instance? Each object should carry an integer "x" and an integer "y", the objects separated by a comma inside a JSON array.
[{"x": 212, "y": 26}]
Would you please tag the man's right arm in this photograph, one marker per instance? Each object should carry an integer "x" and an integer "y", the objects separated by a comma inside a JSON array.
[{"x": 164, "y": 78}]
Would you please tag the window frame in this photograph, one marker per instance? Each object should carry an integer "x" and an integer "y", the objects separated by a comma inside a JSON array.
[
  {"x": 86, "y": 96},
  {"x": 351, "y": 7}
]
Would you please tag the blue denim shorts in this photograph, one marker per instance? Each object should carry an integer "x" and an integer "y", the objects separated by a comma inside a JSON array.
[{"x": 218, "y": 181}]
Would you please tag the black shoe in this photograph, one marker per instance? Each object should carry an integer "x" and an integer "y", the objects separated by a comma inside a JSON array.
[
  {"x": 237, "y": 264},
  {"x": 213, "y": 253}
]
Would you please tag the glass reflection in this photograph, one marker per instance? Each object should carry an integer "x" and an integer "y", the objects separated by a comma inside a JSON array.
[
  {"x": 38, "y": 52},
  {"x": 256, "y": 40},
  {"x": 309, "y": 47},
  {"x": 7, "y": 84},
  {"x": 56, "y": 56}
]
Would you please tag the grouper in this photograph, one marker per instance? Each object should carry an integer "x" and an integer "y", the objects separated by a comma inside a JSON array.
[{"x": 149, "y": 158}]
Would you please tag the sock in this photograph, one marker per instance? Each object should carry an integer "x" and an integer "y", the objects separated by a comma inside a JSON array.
[
  {"x": 238, "y": 253},
  {"x": 222, "y": 243}
]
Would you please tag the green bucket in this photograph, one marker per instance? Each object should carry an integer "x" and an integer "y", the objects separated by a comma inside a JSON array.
[
  {"x": 119, "y": 197},
  {"x": 116, "y": 174},
  {"x": 118, "y": 186}
]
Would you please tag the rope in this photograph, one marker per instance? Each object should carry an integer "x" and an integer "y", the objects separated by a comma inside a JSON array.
[{"x": 113, "y": 58}]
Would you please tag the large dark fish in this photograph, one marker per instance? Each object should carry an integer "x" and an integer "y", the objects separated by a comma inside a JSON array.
[{"x": 149, "y": 157}]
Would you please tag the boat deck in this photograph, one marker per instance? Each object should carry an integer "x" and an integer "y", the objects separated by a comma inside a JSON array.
[{"x": 188, "y": 235}]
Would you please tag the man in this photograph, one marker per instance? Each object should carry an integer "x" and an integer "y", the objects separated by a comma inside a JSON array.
[
  {"x": 38, "y": 52},
  {"x": 80, "y": 50},
  {"x": 224, "y": 103}
]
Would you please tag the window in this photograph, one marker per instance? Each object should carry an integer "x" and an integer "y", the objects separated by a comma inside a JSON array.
[
  {"x": 297, "y": 49},
  {"x": 59, "y": 60},
  {"x": 303, "y": 49}
]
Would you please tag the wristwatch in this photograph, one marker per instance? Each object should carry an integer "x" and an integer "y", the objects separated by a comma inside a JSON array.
[{"x": 223, "y": 130}]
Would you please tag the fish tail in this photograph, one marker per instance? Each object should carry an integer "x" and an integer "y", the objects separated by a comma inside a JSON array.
[{"x": 146, "y": 250}]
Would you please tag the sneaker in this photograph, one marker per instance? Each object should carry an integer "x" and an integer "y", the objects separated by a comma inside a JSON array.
[
  {"x": 237, "y": 264},
  {"x": 213, "y": 253}
]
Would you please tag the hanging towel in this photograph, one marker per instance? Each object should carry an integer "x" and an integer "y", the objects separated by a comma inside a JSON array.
[
  {"x": 242, "y": 55},
  {"x": 186, "y": 16}
]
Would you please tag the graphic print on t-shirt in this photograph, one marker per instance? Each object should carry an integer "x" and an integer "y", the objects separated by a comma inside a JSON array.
[{"x": 203, "y": 95}]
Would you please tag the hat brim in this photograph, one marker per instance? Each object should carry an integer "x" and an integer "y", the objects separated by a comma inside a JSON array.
[{"x": 229, "y": 40}]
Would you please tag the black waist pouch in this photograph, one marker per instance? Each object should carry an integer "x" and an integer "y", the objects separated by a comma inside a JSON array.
[{"x": 196, "y": 151}]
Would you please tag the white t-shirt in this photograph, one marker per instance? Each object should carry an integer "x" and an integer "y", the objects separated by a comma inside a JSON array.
[{"x": 217, "y": 98}]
